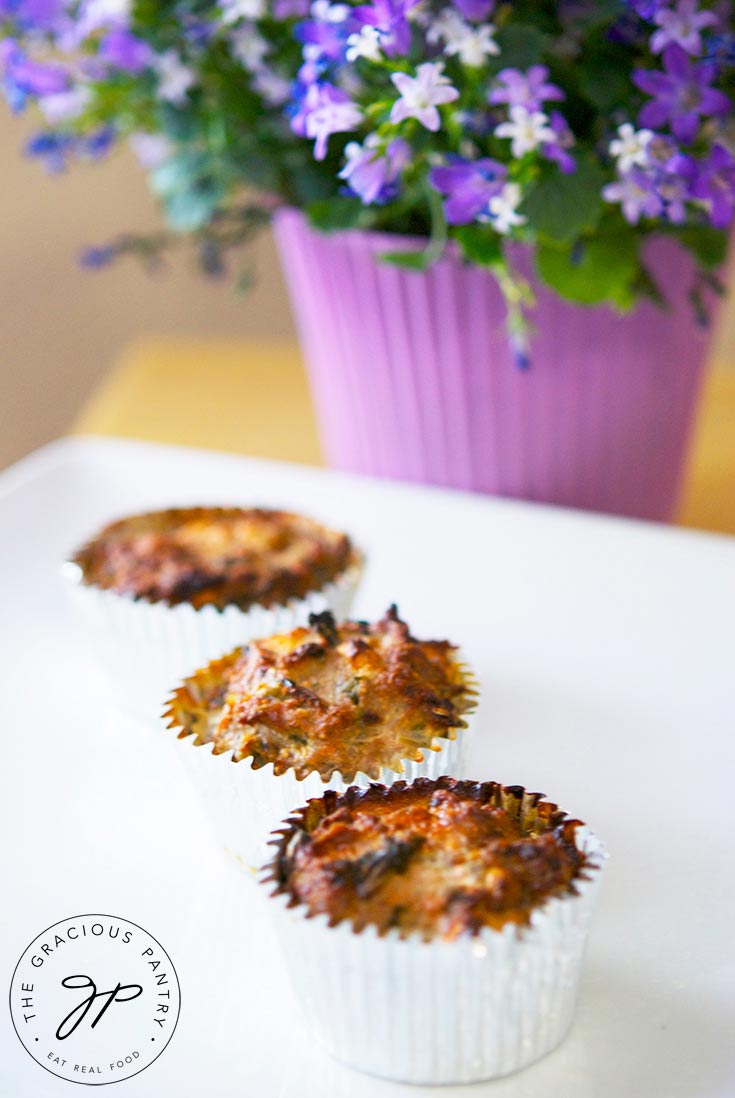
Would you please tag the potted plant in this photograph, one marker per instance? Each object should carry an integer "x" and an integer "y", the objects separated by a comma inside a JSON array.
[{"x": 501, "y": 223}]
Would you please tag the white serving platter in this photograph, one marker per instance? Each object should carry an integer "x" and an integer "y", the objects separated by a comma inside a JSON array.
[{"x": 606, "y": 652}]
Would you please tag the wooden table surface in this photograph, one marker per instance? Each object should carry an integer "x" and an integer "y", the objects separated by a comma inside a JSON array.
[{"x": 252, "y": 398}]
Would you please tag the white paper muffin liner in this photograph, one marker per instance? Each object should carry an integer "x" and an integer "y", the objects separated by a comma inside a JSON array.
[
  {"x": 143, "y": 646},
  {"x": 440, "y": 1012},
  {"x": 245, "y": 805}
]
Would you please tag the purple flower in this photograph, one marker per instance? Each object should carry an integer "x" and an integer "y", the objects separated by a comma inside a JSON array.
[
  {"x": 325, "y": 37},
  {"x": 647, "y": 9},
  {"x": 98, "y": 256},
  {"x": 325, "y": 110},
  {"x": 24, "y": 78},
  {"x": 389, "y": 17},
  {"x": 468, "y": 187},
  {"x": 477, "y": 11},
  {"x": 34, "y": 15},
  {"x": 557, "y": 151},
  {"x": 54, "y": 149},
  {"x": 289, "y": 9},
  {"x": 681, "y": 25},
  {"x": 122, "y": 50},
  {"x": 527, "y": 90},
  {"x": 714, "y": 183},
  {"x": 372, "y": 173},
  {"x": 680, "y": 95},
  {"x": 636, "y": 192},
  {"x": 721, "y": 49}
]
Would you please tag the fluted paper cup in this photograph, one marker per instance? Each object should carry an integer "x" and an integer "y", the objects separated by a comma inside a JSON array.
[
  {"x": 144, "y": 646},
  {"x": 413, "y": 377},
  {"x": 432, "y": 1012},
  {"x": 245, "y": 804}
]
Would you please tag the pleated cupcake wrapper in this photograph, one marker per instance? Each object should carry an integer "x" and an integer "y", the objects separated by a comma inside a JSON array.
[
  {"x": 460, "y": 1011},
  {"x": 244, "y": 805},
  {"x": 143, "y": 647}
]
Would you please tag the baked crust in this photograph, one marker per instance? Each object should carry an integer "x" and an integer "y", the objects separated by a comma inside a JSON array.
[
  {"x": 329, "y": 698},
  {"x": 439, "y": 858},
  {"x": 217, "y": 556}
]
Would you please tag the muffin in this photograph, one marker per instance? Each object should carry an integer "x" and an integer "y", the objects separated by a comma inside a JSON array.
[
  {"x": 321, "y": 706},
  {"x": 163, "y": 592},
  {"x": 434, "y": 931}
]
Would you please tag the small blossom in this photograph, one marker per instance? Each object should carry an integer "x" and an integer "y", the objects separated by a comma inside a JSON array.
[
  {"x": 233, "y": 10},
  {"x": 274, "y": 89},
  {"x": 249, "y": 47},
  {"x": 636, "y": 194},
  {"x": 65, "y": 106},
  {"x": 420, "y": 96},
  {"x": 529, "y": 90},
  {"x": 325, "y": 110},
  {"x": 714, "y": 184},
  {"x": 372, "y": 171},
  {"x": 681, "y": 94},
  {"x": 366, "y": 44},
  {"x": 526, "y": 130},
  {"x": 503, "y": 209},
  {"x": 98, "y": 256},
  {"x": 390, "y": 19},
  {"x": 290, "y": 9},
  {"x": 468, "y": 187},
  {"x": 558, "y": 150},
  {"x": 150, "y": 149},
  {"x": 681, "y": 25},
  {"x": 175, "y": 79},
  {"x": 630, "y": 147},
  {"x": 472, "y": 45},
  {"x": 477, "y": 11},
  {"x": 124, "y": 51}
]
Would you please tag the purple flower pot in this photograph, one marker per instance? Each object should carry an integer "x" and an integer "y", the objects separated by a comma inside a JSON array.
[{"x": 413, "y": 378}]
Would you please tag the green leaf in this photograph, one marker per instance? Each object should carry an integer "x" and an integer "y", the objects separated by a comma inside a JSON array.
[
  {"x": 520, "y": 45},
  {"x": 332, "y": 214},
  {"x": 562, "y": 207},
  {"x": 603, "y": 80},
  {"x": 422, "y": 260},
  {"x": 411, "y": 261},
  {"x": 605, "y": 268},
  {"x": 189, "y": 190},
  {"x": 192, "y": 208},
  {"x": 707, "y": 245},
  {"x": 480, "y": 244}
]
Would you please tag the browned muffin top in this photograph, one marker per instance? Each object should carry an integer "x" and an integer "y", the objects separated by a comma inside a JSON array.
[
  {"x": 217, "y": 556},
  {"x": 439, "y": 858},
  {"x": 327, "y": 698}
]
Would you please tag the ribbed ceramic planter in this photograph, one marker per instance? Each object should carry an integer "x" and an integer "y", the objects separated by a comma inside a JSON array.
[{"x": 412, "y": 377}]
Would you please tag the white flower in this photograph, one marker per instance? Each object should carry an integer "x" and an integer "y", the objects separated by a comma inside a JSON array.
[
  {"x": 101, "y": 12},
  {"x": 232, "y": 10},
  {"x": 527, "y": 130},
  {"x": 471, "y": 44},
  {"x": 272, "y": 88},
  {"x": 150, "y": 149},
  {"x": 174, "y": 77},
  {"x": 365, "y": 44},
  {"x": 630, "y": 147},
  {"x": 503, "y": 208},
  {"x": 64, "y": 106},
  {"x": 325, "y": 12},
  {"x": 249, "y": 47},
  {"x": 422, "y": 94}
]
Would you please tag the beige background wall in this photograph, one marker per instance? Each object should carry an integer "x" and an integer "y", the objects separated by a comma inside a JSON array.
[{"x": 61, "y": 327}]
